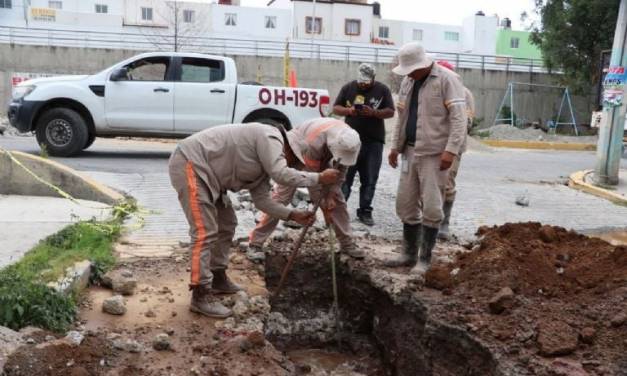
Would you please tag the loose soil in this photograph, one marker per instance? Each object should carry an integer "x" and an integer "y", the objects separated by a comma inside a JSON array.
[
  {"x": 567, "y": 314},
  {"x": 563, "y": 282}
]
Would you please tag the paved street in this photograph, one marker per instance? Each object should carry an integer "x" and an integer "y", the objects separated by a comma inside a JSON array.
[{"x": 489, "y": 182}]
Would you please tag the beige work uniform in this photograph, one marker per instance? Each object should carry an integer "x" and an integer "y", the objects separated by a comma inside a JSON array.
[
  {"x": 314, "y": 154},
  {"x": 440, "y": 126},
  {"x": 228, "y": 157},
  {"x": 451, "y": 191}
]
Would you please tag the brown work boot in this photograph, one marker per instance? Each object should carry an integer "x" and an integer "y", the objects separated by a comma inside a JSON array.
[
  {"x": 204, "y": 303},
  {"x": 222, "y": 284},
  {"x": 353, "y": 251}
]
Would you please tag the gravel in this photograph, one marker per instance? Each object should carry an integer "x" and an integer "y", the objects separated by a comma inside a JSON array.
[{"x": 507, "y": 132}]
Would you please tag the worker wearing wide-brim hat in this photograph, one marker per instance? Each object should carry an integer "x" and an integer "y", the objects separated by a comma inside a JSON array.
[
  {"x": 429, "y": 134},
  {"x": 225, "y": 158},
  {"x": 317, "y": 144}
]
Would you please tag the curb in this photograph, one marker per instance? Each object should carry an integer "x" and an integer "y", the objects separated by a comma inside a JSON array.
[
  {"x": 577, "y": 180},
  {"x": 76, "y": 278},
  {"x": 540, "y": 145},
  {"x": 64, "y": 177}
]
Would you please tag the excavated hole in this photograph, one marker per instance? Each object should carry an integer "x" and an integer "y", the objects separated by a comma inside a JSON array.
[{"x": 379, "y": 334}]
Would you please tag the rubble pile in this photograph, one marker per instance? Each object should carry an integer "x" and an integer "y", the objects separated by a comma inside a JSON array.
[{"x": 508, "y": 132}]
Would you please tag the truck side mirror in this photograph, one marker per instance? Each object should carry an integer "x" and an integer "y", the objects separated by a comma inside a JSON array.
[{"x": 119, "y": 74}]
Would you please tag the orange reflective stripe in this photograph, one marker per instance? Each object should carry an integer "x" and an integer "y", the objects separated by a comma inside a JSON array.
[
  {"x": 201, "y": 232},
  {"x": 313, "y": 164},
  {"x": 311, "y": 137}
]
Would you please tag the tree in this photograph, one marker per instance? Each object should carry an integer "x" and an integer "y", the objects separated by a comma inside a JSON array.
[
  {"x": 184, "y": 21},
  {"x": 572, "y": 35}
]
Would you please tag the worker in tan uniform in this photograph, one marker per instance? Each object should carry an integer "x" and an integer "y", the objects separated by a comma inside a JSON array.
[
  {"x": 429, "y": 134},
  {"x": 317, "y": 144},
  {"x": 233, "y": 157},
  {"x": 451, "y": 192}
]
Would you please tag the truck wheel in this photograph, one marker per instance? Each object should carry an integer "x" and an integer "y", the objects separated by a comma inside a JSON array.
[
  {"x": 62, "y": 131},
  {"x": 90, "y": 140}
]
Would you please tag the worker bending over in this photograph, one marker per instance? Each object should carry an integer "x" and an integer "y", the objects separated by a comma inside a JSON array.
[
  {"x": 317, "y": 144},
  {"x": 233, "y": 157}
]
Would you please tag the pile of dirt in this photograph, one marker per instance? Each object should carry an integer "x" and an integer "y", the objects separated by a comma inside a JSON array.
[
  {"x": 90, "y": 358},
  {"x": 541, "y": 292},
  {"x": 533, "y": 259}
]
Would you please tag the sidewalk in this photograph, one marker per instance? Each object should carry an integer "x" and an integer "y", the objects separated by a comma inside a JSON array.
[{"x": 26, "y": 220}]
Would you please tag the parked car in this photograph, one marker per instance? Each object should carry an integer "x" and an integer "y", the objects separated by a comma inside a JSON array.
[{"x": 153, "y": 95}]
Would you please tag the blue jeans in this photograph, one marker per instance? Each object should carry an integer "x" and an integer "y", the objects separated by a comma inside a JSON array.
[{"x": 368, "y": 165}]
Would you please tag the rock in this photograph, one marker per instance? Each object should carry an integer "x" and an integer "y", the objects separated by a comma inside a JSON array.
[
  {"x": 150, "y": 313},
  {"x": 170, "y": 331},
  {"x": 279, "y": 236},
  {"x": 567, "y": 367},
  {"x": 619, "y": 319},
  {"x": 302, "y": 194},
  {"x": 556, "y": 338},
  {"x": 587, "y": 335},
  {"x": 121, "y": 281},
  {"x": 74, "y": 338},
  {"x": 240, "y": 309},
  {"x": 125, "y": 286},
  {"x": 129, "y": 345},
  {"x": 547, "y": 234},
  {"x": 292, "y": 224},
  {"x": 161, "y": 342},
  {"x": 257, "y": 339},
  {"x": 255, "y": 256},
  {"x": 522, "y": 200},
  {"x": 278, "y": 325},
  {"x": 244, "y": 196},
  {"x": 114, "y": 305},
  {"x": 259, "y": 305},
  {"x": 501, "y": 301},
  {"x": 49, "y": 338},
  {"x": 10, "y": 340}
]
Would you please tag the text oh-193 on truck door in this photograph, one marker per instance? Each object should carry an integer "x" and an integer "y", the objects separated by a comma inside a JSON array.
[{"x": 295, "y": 97}]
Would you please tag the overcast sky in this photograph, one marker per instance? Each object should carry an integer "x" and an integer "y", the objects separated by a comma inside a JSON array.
[{"x": 450, "y": 12}]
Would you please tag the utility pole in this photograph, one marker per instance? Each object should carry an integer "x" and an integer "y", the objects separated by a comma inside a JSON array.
[{"x": 614, "y": 107}]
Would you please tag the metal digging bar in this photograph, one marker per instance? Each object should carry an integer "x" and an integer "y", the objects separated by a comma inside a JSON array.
[{"x": 301, "y": 238}]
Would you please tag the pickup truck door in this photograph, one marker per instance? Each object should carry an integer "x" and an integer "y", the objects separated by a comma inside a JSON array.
[
  {"x": 144, "y": 100},
  {"x": 202, "y": 97}
]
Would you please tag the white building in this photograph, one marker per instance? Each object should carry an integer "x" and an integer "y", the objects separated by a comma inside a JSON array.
[
  {"x": 332, "y": 20},
  {"x": 349, "y": 22}
]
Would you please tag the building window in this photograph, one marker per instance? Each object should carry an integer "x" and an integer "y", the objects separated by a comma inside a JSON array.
[
  {"x": 451, "y": 35},
  {"x": 188, "y": 16},
  {"x": 514, "y": 42},
  {"x": 312, "y": 27},
  {"x": 55, "y": 4},
  {"x": 102, "y": 8},
  {"x": 384, "y": 32},
  {"x": 146, "y": 14},
  {"x": 417, "y": 34},
  {"x": 352, "y": 27},
  {"x": 6, "y": 4},
  {"x": 270, "y": 22},
  {"x": 230, "y": 19}
]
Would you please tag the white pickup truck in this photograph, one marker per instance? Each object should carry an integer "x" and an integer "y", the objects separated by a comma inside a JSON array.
[{"x": 153, "y": 95}]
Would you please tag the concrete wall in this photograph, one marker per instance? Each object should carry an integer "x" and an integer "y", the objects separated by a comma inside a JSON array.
[{"x": 487, "y": 86}]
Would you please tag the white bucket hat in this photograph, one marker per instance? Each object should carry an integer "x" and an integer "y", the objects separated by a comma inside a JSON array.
[
  {"x": 411, "y": 56},
  {"x": 344, "y": 144}
]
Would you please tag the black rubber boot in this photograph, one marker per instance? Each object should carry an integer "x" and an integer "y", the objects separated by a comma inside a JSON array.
[
  {"x": 429, "y": 236},
  {"x": 409, "y": 257},
  {"x": 444, "y": 233},
  {"x": 221, "y": 284}
]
